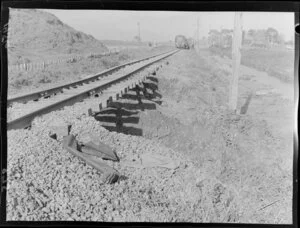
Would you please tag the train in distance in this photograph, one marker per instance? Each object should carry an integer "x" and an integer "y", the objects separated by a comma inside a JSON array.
[{"x": 181, "y": 42}]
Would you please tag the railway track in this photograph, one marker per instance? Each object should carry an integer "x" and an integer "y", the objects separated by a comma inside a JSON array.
[
  {"x": 48, "y": 92},
  {"x": 104, "y": 86}
]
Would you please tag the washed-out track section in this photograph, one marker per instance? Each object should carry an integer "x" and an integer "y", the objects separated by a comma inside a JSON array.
[{"x": 120, "y": 79}]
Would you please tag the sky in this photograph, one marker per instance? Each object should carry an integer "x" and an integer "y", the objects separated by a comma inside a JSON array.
[{"x": 165, "y": 25}]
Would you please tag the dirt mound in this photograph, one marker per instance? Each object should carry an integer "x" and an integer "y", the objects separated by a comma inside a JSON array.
[
  {"x": 233, "y": 154},
  {"x": 242, "y": 152},
  {"x": 33, "y": 34}
]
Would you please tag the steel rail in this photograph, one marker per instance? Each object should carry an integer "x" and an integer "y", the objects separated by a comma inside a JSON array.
[
  {"x": 25, "y": 121},
  {"x": 48, "y": 92}
]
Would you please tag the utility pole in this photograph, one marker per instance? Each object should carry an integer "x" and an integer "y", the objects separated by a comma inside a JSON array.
[
  {"x": 197, "y": 32},
  {"x": 139, "y": 32},
  {"x": 236, "y": 60}
]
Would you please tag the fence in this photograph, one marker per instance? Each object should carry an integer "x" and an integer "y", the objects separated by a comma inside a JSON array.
[{"x": 42, "y": 65}]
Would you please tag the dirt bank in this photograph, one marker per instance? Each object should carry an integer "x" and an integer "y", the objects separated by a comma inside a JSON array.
[
  {"x": 254, "y": 150},
  {"x": 250, "y": 153}
]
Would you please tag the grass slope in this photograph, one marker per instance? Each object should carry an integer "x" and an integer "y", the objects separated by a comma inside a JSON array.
[
  {"x": 277, "y": 62},
  {"x": 33, "y": 34}
]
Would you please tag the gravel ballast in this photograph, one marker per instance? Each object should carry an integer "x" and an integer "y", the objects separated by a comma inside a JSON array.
[{"x": 45, "y": 182}]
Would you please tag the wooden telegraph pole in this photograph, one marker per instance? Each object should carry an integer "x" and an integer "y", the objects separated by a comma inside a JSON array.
[
  {"x": 197, "y": 44},
  {"x": 139, "y": 32},
  {"x": 236, "y": 60}
]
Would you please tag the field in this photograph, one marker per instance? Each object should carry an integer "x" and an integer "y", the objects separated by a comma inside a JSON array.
[
  {"x": 277, "y": 62},
  {"x": 27, "y": 81}
]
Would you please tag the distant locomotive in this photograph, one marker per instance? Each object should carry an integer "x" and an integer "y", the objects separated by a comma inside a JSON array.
[{"x": 181, "y": 42}]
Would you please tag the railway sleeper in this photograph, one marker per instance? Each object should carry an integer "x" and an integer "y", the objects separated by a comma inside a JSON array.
[
  {"x": 109, "y": 101},
  {"x": 109, "y": 175},
  {"x": 91, "y": 93},
  {"x": 90, "y": 112},
  {"x": 51, "y": 95}
]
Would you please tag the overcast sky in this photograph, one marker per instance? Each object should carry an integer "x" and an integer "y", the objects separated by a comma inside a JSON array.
[{"x": 165, "y": 25}]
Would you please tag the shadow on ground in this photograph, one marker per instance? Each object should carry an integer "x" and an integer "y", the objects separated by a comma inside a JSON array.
[{"x": 122, "y": 116}]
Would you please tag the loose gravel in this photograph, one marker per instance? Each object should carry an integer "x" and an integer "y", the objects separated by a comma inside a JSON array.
[{"x": 47, "y": 183}]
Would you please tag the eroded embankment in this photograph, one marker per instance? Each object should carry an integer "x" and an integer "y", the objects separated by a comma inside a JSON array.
[{"x": 246, "y": 153}]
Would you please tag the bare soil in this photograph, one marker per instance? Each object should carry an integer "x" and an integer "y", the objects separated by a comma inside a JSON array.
[
  {"x": 256, "y": 157},
  {"x": 250, "y": 153}
]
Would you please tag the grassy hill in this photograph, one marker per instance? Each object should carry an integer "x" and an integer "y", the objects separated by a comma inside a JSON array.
[{"x": 34, "y": 34}]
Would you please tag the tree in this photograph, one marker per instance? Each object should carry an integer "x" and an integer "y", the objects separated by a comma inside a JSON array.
[
  {"x": 281, "y": 38},
  {"x": 251, "y": 32},
  {"x": 214, "y": 37},
  {"x": 272, "y": 35},
  {"x": 137, "y": 38},
  {"x": 226, "y": 38},
  {"x": 251, "y": 36},
  {"x": 243, "y": 36}
]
